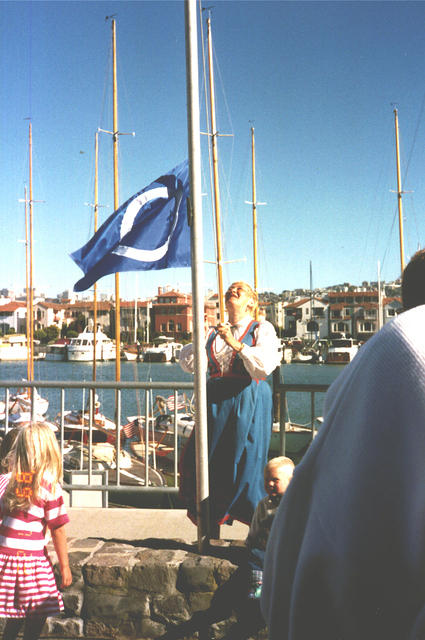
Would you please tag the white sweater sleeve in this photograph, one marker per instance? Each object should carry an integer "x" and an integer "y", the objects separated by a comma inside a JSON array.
[{"x": 263, "y": 358}]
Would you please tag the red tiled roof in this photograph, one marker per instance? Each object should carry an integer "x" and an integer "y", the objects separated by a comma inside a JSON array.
[
  {"x": 10, "y": 307},
  {"x": 129, "y": 304},
  {"x": 356, "y": 305},
  {"x": 87, "y": 305},
  {"x": 174, "y": 294},
  {"x": 55, "y": 306},
  {"x": 298, "y": 303},
  {"x": 351, "y": 294}
]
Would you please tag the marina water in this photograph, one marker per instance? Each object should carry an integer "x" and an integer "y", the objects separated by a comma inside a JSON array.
[{"x": 133, "y": 401}]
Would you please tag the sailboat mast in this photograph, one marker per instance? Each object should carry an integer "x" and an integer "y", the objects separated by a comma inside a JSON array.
[
  {"x": 311, "y": 297},
  {"x": 116, "y": 202},
  {"x": 30, "y": 337},
  {"x": 254, "y": 218},
  {"x": 27, "y": 288},
  {"x": 399, "y": 191},
  {"x": 214, "y": 135},
  {"x": 95, "y": 209}
]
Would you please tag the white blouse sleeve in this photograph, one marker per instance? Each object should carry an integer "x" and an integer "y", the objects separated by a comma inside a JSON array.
[
  {"x": 186, "y": 358},
  {"x": 263, "y": 358}
]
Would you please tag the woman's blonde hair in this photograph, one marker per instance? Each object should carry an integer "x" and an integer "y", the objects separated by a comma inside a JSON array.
[
  {"x": 252, "y": 293},
  {"x": 35, "y": 456}
]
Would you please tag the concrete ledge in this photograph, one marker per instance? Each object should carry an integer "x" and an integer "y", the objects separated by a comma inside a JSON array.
[{"x": 138, "y": 524}]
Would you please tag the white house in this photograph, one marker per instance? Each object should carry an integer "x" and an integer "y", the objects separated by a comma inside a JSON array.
[
  {"x": 307, "y": 318},
  {"x": 13, "y": 316}
]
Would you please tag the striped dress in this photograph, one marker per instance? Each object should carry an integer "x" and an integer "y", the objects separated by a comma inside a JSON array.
[{"x": 27, "y": 583}]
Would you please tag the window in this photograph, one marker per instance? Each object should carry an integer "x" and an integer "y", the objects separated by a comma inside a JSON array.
[
  {"x": 391, "y": 312},
  {"x": 163, "y": 327},
  {"x": 179, "y": 326},
  {"x": 367, "y": 327},
  {"x": 371, "y": 313}
]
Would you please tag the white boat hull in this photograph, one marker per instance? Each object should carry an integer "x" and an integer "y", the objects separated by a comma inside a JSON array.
[
  {"x": 13, "y": 353},
  {"x": 129, "y": 355},
  {"x": 81, "y": 349},
  {"x": 86, "y": 355}
]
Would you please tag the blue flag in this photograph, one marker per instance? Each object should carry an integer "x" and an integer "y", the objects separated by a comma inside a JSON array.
[{"x": 149, "y": 231}]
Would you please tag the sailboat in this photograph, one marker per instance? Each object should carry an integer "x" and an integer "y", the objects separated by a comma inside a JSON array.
[{"x": 26, "y": 405}]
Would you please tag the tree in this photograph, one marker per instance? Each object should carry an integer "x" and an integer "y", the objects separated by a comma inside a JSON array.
[
  {"x": 52, "y": 333},
  {"x": 40, "y": 334},
  {"x": 76, "y": 326}
]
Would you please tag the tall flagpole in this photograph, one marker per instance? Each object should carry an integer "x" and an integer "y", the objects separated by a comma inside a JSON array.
[
  {"x": 193, "y": 119},
  {"x": 116, "y": 203}
]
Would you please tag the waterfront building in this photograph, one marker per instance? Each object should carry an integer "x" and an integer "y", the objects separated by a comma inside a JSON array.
[
  {"x": 274, "y": 312},
  {"x": 48, "y": 314},
  {"x": 356, "y": 313},
  {"x": 13, "y": 317},
  {"x": 172, "y": 314},
  {"x": 343, "y": 309},
  {"x": 306, "y": 318},
  {"x": 85, "y": 309},
  {"x": 391, "y": 307}
]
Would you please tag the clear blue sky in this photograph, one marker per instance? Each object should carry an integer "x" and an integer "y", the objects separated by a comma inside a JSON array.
[{"x": 317, "y": 79}]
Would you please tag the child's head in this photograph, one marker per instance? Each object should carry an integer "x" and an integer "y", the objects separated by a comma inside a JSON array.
[
  {"x": 35, "y": 453},
  {"x": 6, "y": 449},
  {"x": 277, "y": 475}
]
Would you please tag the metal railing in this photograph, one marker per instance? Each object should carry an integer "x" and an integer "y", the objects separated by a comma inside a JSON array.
[
  {"x": 118, "y": 387},
  {"x": 280, "y": 391}
]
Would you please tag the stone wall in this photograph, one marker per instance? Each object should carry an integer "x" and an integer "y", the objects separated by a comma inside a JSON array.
[{"x": 152, "y": 589}]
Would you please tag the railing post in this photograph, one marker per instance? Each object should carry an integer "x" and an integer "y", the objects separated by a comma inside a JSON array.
[
  {"x": 276, "y": 393},
  {"x": 147, "y": 438},
  {"x": 282, "y": 413},
  {"x": 32, "y": 405},
  {"x": 6, "y": 411},
  {"x": 91, "y": 409},
  {"x": 62, "y": 425},
  {"x": 118, "y": 435},
  {"x": 176, "y": 452}
]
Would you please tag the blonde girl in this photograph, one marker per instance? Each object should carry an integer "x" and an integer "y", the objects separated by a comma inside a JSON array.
[{"x": 30, "y": 502}]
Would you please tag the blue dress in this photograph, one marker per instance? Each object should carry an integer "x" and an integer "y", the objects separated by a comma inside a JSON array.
[{"x": 240, "y": 416}]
